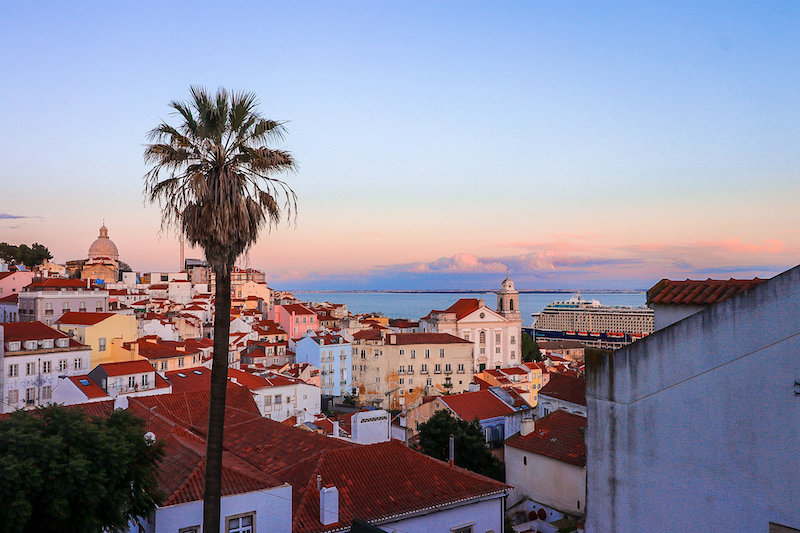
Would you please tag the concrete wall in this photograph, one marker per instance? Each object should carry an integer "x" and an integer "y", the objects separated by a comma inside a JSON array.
[
  {"x": 697, "y": 427},
  {"x": 484, "y": 516},
  {"x": 552, "y": 483},
  {"x": 665, "y": 315}
]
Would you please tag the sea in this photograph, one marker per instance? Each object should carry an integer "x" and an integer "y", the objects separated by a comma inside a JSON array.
[{"x": 414, "y": 305}]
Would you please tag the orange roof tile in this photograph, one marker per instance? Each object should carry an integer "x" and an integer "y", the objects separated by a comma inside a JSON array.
[
  {"x": 124, "y": 368},
  {"x": 559, "y": 436},
  {"x": 481, "y": 404},
  {"x": 88, "y": 387},
  {"x": 691, "y": 292},
  {"x": 566, "y": 388},
  {"x": 82, "y": 318},
  {"x": 30, "y": 331}
]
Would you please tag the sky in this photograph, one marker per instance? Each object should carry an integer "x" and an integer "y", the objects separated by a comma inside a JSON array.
[{"x": 440, "y": 144}]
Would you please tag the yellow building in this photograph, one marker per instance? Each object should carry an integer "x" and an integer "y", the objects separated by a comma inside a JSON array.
[
  {"x": 526, "y": 379},
  {"x": 99, "y": 331}
]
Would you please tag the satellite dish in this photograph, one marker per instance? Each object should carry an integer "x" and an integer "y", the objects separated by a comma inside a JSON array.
[{"x": 149, "y": 437}]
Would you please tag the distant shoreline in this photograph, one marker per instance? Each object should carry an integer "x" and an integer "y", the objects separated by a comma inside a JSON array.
[{"x": 521, "y": 291}]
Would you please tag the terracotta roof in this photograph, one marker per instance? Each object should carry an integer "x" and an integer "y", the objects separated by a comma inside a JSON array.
[
  {"x": 10, "y": 299},
  {"x": 88, "y": 387},
  {"x": 461, "y": 308},
  {"x": 158, "y": 287},
  {"x": 402, "y": 323},
  {"x": 82, "y": 318},
  {"x": 57, "y": 283},
  {"x": 481, "y": 404},
  {"x": 566, "y": 388},
  {"x": 692, "y": 292},
  {"x": 368, "y": 335},
  {"x": 124, "y": 368},
  {"x": 428, "y": 338},
  {"x": 298, "y": 309},
  {"x": 30, "y": 331},
  {"x": 377, "y": 482},
  {"x": 559, "y": 436}
]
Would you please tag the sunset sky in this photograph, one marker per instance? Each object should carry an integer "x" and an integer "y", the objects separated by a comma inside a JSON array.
[{"x": 578, "y": 145}]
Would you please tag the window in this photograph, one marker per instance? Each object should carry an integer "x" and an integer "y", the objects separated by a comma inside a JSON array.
[
  {"x": 30, "y": 395},
  {"x": 428, "y": 382},
  {"x": 47, "y": 392},
  {"x": 413, "y": 354},
  {"x": 62, "y": 365},
  {"x": 438, "y": 369},
  {"x": 13, "y": 396},
  {"x": 13, "y": 371},
  {"x": 145, "y": 380},
  {"x": 77, "y": 364},
  {"x": 448, "y": 368},
  {"x": 401, "y": 381},
  {"x": 497, "y": 337},
  {"x": 427, "y": 354},
  {"x": 180, "y": 362},
  {"x": 83, "y": 307},
  {"x": 13, "y": 346},
  {"x": 277, "y": 398},
  {"x": 62, "y": 343},
  {"x": 482, "y": 337},
  {"x": 466, "y": 336},
  {"x": 441, "y": 352},
  {"x": 131, "y": 382},
  {"x": 47, "y": 367},
  {"x": 410, "y": 369},
  {"x": 267, "y": 401},
  {"x": 497, "y": 349},
  {"x": 402, "y": 351},
  {"x": 513, "y": 339},
  {"x": 66, "y": 307},
  {"x": 240, "y": 524},
  {"x": 101, "y": 344},
  {"x": 163, "y": 365},
  {"x": 402, "y": 369},
  {"x": 47, "y": 343},
  {"x": 525, "y": 459},
  {"x": 461, "y": 368},
  {"x": 424, "y": 369}
]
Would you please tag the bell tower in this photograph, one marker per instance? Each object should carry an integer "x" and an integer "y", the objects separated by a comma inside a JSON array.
[{"x": 508, "y": 300}]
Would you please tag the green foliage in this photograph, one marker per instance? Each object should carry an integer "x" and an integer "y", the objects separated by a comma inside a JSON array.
[
  {"x": 23, "y": 254},
  {"x": 62, "y": 470},
  {"x": 470, "y": 446},
  {"x": 530, "y": 350}
]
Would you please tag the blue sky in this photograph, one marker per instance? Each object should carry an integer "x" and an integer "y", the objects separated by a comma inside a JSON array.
[{"x": 577, "y": 145}]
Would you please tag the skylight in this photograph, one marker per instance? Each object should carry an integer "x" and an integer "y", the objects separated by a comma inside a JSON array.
[{"x": 84, "y": 382}]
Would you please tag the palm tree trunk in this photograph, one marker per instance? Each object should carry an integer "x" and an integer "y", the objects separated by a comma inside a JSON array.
[{"x": 216, "y": 409}]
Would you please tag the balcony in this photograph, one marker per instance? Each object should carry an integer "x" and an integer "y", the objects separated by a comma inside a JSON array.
[
  {"x": 437, "y": 371},
  {"x": 448, "y": 372}
]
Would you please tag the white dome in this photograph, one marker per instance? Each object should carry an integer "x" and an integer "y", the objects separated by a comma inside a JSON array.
[{"x": 103, "y": 246}]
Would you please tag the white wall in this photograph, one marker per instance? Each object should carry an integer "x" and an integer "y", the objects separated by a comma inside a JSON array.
[
  {"x": 273, "y": 508},
  {"x": 369, "y": 427},
  {"x": 665, "y": 315},
  {"x": 696, "y": 427},
  {"x": 486, "y": 515},
  {"x": 550, "y": 482}
]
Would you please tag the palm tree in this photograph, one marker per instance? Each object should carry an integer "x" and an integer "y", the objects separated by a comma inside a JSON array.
[{"x": 213, "y": 176}]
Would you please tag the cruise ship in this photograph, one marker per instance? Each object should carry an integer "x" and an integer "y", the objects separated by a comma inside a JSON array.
[{"x": 593, "y": 324}]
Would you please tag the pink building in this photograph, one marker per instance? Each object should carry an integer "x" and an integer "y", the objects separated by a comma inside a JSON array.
[
  {"x": 13, "y": 282},
  {"x": 295, "y": 319}
]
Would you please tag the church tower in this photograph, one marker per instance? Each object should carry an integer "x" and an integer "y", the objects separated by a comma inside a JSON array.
[{"x": 508, "y": 300}]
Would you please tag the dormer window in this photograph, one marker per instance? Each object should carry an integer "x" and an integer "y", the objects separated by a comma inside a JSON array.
[
  {"x": 13, "y": 346},
  {"x": 47, "y": 343},
  {"x": 62, "y": 343},
  {"x": 31, "y": 345}
]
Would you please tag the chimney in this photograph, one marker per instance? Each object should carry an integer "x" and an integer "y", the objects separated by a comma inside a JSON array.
[
  {"x": 452, "y": 449},
  {"x": 336, "y": 428},
  {"x": 328, "y": 505},
  {"x": 527, "y": 426},
  {"x": 319, "y": 482},
  {"x": 392, "y": 339},
  {"x": 474, "y": 387}
]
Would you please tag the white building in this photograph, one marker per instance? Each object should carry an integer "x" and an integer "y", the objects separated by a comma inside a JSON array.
[
  {"x": 495, "y": 334},
  {"x": 33, "y": 356},
  {"x": 695, "y": 428},
  {"x": 46, "y": 300},
  {"x": 332, "y": 355}
]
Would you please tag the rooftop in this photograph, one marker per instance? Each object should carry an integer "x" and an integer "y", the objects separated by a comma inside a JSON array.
[
  {"x": 691, "y": 292},
  {"x": 559, "y": 436},
  {"x": 480, "y": 404},
  {"x": 566, "y": 388}
]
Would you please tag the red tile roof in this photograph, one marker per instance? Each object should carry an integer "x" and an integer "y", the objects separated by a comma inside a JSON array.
[
  {"x": 298, "y": 309},
  {"x": 159, "y": 287},
  {"x": 124, "y": 368},
  {"x": 566, "y": 388},
  {"x": 368, "y": 335},
  {"x": 377, "y": 482},
  {"x": 10, "y": 299},
  {"x": 461, "y": 308},
  {"x": 481, "y": 404},
  {"x": 559, "y": 436},
  {"x": 91, "y": 389},
  {"x": 57, "y": 283},
  {"x": 428, "y": 338},
  {"x": 30, "y": 331},
  {"x": 692, "y": 292},
  {"x": 82, "y": 318}
]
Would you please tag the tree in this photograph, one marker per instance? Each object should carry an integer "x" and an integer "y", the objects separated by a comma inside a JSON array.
[
  {"x": 214, "y": 178},
  {"x": 61, "y": 469},
  {"x": 470, "y": 446},
  {"x": 30, "y": 256},
  {"x": 530, "y": 350}
]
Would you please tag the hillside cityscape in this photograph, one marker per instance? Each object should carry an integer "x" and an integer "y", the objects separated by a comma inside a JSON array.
[{"x": 400, "y": 267}]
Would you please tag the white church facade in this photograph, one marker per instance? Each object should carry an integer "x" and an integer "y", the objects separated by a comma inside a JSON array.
[{"x": 495, "y": 333}]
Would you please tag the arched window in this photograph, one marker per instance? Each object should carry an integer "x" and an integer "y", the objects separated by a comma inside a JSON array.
[
  {"x": 511, "y": 304},
  {"x": 483, "y": 337}
]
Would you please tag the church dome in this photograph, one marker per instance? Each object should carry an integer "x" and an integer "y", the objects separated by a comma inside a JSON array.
[
  {"x": 103, "y": 246},
  {"x": 507, "y": 285}
]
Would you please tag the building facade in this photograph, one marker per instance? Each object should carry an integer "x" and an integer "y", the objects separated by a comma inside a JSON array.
[
  {"x": 332, "y": 355},
  {"x": 47, "y": 300}
]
